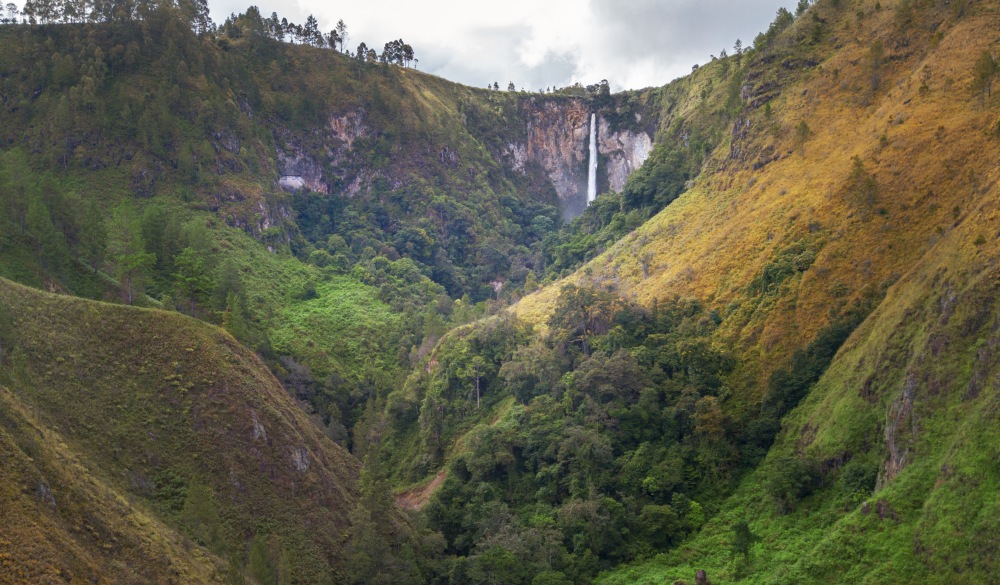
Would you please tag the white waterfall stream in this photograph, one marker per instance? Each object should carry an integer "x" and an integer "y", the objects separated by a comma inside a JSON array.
[{"x": 592, "y": 174}]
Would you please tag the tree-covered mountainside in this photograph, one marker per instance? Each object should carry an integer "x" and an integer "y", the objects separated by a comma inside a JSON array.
[{"x": 764, "y": 351}]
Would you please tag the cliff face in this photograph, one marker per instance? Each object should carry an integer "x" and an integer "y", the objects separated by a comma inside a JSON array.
[
  {"x": 558, "y": 132},
  {"x": 622, "y": 152},
  {"x": 558, "y": 141},
  {"x": 300, "y": 170}
]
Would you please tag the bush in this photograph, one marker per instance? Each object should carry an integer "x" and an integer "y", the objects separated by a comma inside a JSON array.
[{"x": 790, "y": 480}]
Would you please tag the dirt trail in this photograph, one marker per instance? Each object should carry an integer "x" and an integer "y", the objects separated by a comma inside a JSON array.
[{"x": 415, "y": 499}]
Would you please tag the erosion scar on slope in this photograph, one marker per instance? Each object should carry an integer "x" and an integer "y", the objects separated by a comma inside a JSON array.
[{"x": 415, "y": 499}]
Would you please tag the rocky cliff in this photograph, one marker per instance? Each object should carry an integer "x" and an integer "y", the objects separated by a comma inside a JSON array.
[
  {"x": 557, "y": 139},
  {"x": 622, "y": 152}
]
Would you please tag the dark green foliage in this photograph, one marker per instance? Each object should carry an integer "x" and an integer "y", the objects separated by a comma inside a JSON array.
[
  {"x": 191, "y": 278},
  {"x": 858, "y": 478},
  {"x": 605, "y": 441},
  {"x": 789, "y": 385},
  {"x": 782, "y": 20},
  {"x": 861, "y": 188},
  {"x": 984, "y": 73},
  {"x": 792, "y": 260},
  {"x": 789, "y": 480},
  {"x": 743, "y": 540},
  {"x": 170, "y": 490},
  {"x": 379, "y": 549}
]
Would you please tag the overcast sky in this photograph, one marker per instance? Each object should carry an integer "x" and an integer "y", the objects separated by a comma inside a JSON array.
[{"x": 541, "y": 43}]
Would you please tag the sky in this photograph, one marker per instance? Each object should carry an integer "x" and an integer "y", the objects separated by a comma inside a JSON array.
[{"x": 539, "y": 44}]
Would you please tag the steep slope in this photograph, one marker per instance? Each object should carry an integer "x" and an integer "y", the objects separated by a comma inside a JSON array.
[
  {"x": 62, "y": 524},
  {"x": 887, "y": 472},
  {"x": 176, "y": 414}
]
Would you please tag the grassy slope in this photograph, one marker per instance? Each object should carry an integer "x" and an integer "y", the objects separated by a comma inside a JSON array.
[
  {"x": 346, "y": 329},
  {"x": 142, "y": 395},
  {"x": 89, "y": 531}
]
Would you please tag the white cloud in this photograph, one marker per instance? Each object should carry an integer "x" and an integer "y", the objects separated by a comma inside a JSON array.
[{"x": 542, "y": 43}]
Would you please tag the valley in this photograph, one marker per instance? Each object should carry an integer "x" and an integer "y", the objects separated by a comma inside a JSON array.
[{"x": 273, "y": 313}]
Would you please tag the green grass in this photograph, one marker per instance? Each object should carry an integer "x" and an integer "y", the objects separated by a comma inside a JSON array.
[{"x": 345, "y": 330}]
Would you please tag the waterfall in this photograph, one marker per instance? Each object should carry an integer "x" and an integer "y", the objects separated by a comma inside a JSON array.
[{"x": 592, "y": 175}]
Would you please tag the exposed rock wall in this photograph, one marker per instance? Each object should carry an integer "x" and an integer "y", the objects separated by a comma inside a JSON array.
[
  {"x": 622, "y": 152},
  {"x": 300, "y": 170},
  {"x": 557, "y": 140}
]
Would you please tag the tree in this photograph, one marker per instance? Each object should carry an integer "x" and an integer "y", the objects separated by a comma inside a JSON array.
[
  {"x": 50, "y": 243},
  {"x": 802, "y": 135},
  {"x": 310, "y": 32},
  {"x": 862, "y": 187},
  {"x": 127, "y": 252},
  {"x": 476, "y": 368},
  {"x": 93, "y": 236},
  {"x": 28, "y": 13},
  {"x": 362, "y": 52},
  {"x": 407, "y": 54},
  {"x": 801, "y": 7},
  {"x": 984, "y": 71},
  {"x": 234, "y": 318},
  {"x": 375, "y": 544},
  {"x": 511, "y": 87},
  {"x": 876, "y": 57},
  {"x": 342, "y": 35},
  {"x": 581, "y": 313},
  {"x": 743, "y": 540},
  {"x": 274, "y": 27},
  {"x": 11, "y": 12},
  {"x": 333, "y": 39},
  {"x": 191, "y": 279},
  {"x": 198, "y": 16}
]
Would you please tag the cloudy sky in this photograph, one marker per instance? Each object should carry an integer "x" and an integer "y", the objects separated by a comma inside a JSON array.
[{"x": 541, "y": 43}]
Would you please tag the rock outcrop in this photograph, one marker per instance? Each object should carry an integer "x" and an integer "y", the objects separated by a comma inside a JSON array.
[
  {"x": 622, "y": 152},
  {"x": 300, "y": 170},
  {"x": 557, "y": 141}
]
